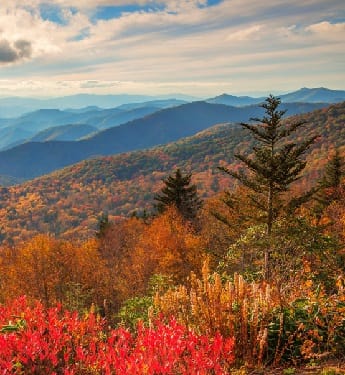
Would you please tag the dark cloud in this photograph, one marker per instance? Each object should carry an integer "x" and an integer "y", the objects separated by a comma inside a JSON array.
[
  {"x": 21, "y": 49},
  {"x": 24, "y": 48}
]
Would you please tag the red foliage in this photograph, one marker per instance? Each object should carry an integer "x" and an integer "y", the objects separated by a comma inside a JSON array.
[{"x": 36, "y": 340}]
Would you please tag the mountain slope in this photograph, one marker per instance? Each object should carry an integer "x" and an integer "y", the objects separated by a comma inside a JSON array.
[
  {"x": 25, "y": 126},
  {"x": 164, "y": 103},
  {"x": 63, "y": 133},
  {"x": 236, "y": 101},
  {"x": 13, "y": 136},
  {"x": 314, "y": 95},
  {"x": 41, "y": 119},
  {"x": 34, "y": 159},
  {"x": 71, "y": 200},
  {"x": 122, "y": 117}
]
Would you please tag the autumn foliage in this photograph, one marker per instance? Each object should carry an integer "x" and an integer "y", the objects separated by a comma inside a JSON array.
[
  {"x": 266, "y": 329},
  {"x": 196, "y": 288},
  {"x": 36, "y": 340},
  {"x": 54, "y": 270},
  {"x": 135, "y": 251}
]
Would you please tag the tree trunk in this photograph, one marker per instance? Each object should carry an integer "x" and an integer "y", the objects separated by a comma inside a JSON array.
[{"x": 268, "y": 232}]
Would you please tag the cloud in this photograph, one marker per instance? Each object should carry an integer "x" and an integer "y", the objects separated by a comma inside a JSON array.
[
  {"x": 172, "y": 5},
  {"x": 19, "y": 50},
  {"x": 97, "y": 84},
  {"x": 251, "y": 33},
  {"x": 162, "y": 44},
  {"x": 328, "y": 30}
]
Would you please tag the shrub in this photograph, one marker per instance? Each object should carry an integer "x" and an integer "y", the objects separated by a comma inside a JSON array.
[
  {"x": 37, "y": 340},
  {"x": 266, "y": 329}
]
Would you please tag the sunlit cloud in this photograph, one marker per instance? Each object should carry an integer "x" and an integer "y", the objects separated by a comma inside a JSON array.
[
  {"x": 148, "y": 45},
  {"x": 327, "y": 30}
]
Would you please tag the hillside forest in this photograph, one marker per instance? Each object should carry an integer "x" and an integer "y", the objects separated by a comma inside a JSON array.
[{"x": 208, "y": 255}]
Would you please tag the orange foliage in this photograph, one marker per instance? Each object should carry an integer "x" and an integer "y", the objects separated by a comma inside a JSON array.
[
  {"x": 50, "y": 270},
  {"x": 222, "y": 225},
  {"x": 167, "y": 245},
  {"x": 116, "y": 248},
  {"x": 334, "y": 215}
]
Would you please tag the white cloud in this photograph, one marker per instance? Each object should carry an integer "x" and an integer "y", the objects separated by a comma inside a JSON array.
[
  {"x": 200, "y": 46},
  {"x": 250, "y": 33},
  {"x": 327, "y": 30}
]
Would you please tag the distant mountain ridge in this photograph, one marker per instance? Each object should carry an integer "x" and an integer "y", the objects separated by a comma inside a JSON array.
[
  {"x": 17, "y": 106},
  {"x": 236, "y": 101},
  {"x": 19, "y": 130},
  {"x": 316, "y": 95},
  {"x": 303, "y": 95},
  {"x": 64, "y": 133},
  {"x": 103, "y": 111},
  {"x": 33, "y": 159}
]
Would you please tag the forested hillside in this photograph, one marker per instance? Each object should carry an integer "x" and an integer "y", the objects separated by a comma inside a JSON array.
[
  {"x": 216, "y": 286},
  {"x": 172, "y": 196},
  {"x": 72, "y": 200}
]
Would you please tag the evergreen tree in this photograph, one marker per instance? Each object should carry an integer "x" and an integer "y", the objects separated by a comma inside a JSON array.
[
  {"x": 329, "y": 184},
  {"x": 275, "y": 164},
  {"x": 103, "y": 225},
  {"x": 179, "y": 192}
]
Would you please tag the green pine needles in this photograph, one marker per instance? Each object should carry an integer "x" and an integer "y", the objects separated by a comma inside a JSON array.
[
  {"x": 275, "y": 163},
  {"x": 179, "y": 191}
]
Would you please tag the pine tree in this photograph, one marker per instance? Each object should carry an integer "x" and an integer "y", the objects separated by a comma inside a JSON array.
[
  {"x": 103, "y": 225},
  {"x": 179, "y": 192},
  {"x": 275, "y": 164},
  {"x": 329, "y": 184}
]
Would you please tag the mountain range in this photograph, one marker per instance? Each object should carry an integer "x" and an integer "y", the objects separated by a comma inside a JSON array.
[
  {"x": 303, "y": 95},
  {"x": 32, "y": 159},
  {"x": 17, "y": 106},
  {"x": 105, "y": 111},
  {"x": 71, "y": 200},
  {"x": 19, "y": 130}
]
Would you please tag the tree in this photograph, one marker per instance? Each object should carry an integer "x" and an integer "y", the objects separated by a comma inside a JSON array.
[
  {"x": 179, "y": 192},
  {"x": 329, "y": 184},
  {"x": 275, "y": 164},
  {"x": 168, "y": 246},
  {"x": 103, "y": 225},
  {"x": 52, "y": 270}
]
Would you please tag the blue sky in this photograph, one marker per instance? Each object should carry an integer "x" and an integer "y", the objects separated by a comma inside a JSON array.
[{"x": 157, "y": 47}]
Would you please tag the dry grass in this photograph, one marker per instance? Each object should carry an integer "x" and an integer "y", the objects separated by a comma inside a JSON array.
[{"x": 266, "y": 331}]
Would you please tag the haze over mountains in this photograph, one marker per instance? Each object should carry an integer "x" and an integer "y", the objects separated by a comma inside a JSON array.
[
  {"x": 101, "y": 111},
  {"x": 42, "y": 141},
  {"x": 19, "y": 130},
  {"x": 33, "y": 159},
  {"x": 16, "y": 106}
]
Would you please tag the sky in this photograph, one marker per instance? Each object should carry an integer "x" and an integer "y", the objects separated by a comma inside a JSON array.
[{"x": 158, "y": 47}]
